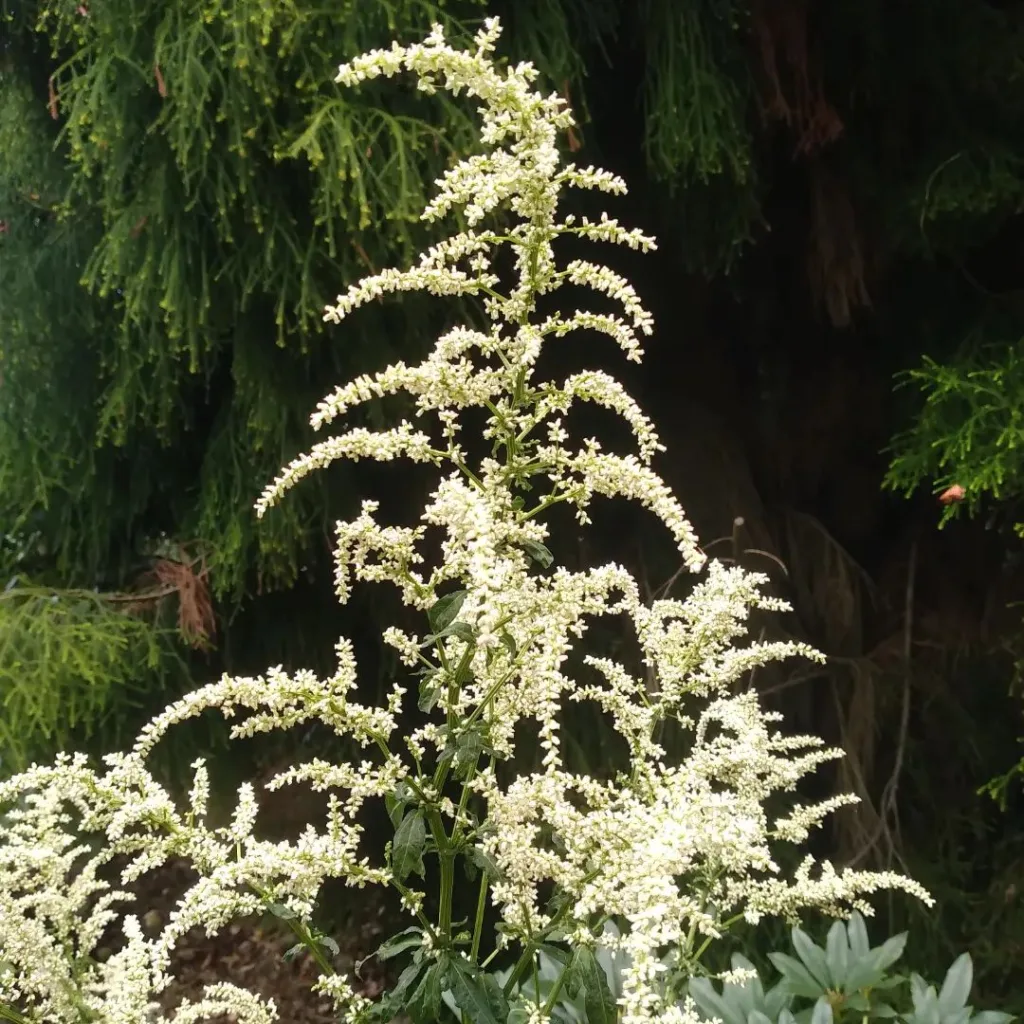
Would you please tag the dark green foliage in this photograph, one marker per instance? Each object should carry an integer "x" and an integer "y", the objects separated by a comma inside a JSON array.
[{"x": 970, "y": 430}]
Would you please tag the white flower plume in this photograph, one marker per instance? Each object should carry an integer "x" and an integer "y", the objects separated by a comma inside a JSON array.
[{"x": 676, "y": 845}]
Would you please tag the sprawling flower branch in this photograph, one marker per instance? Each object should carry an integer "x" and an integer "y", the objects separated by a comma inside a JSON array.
[{"x": 672, "y": 850}]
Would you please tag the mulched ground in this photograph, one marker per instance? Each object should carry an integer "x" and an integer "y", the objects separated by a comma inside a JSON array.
[{"x": 251, "y": 954}]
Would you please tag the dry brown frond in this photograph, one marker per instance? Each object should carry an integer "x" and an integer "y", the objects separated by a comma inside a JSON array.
[
  {"x": 793, "y": 84},
  {"x": 187, "y": 579}
]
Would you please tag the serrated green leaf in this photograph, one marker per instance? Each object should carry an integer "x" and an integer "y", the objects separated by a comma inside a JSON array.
[
  {"x": 429, "y": 692},
  {"x": 463, "y": 630},
  {"x": 477, "y": 995},
  {"x": 397, "y": 998},
  {"x": 409, "y": 938},
  {"x": 395, "y": 803},
  {"x": 797, "y": 978},
  {"x": 538, "y": 553},
  {"x": 424, "y": 1004},
  {"x": 813, "y": 957},
  {"x": 407, "y": 848},
  {"x": 562, "y": 956},
  {"x": 445, "y": 609},
  {"x": 468, "y": 748},
  {"x": 956, "y": 988},
  {"x": 485, "y": 862},
  {"x": 598, "y": 1001}
]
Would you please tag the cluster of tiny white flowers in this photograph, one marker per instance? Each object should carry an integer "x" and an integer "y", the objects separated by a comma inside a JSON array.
[{"x": 673, "y": 849}]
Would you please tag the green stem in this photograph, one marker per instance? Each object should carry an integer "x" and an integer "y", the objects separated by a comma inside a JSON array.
[
  {"x": 446, "y": 859},
  {"x": 707, "y": 942},
  {"x": 463, "y": 468},
  {"x": 10, "y": 1014},
  {"x": 478, "y": 924},
  {"x": 444, "y": 923},
  {"x": 302, "y": 933},
  {"x": 555, "y": 992}
]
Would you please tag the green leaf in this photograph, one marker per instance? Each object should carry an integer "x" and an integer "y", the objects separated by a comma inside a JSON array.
[
  {"x": 429, "y": 692},
  {"x": 538, "y": 552},
  {"x": 424, "y": 1005},
  {"x": 281, "y": 911},
  {"x": 890, "y": 951},
  {"x": 890, "y": 981},
  {"x": 799, "y": 981},
  {"x": 957, "y": 986},
  {"x": 328, "y": 943},
  {"x": 777, "y": 999},
  {"x": 485, "y": 862},
  {"x": 562, "y": 956},
  {"x": 813, "y": 957},
  {"x": 463, "y": 630},
  {"x": 294, "y": 951},
  {"x": 397, "y": 999},
  {"x": 407, "y": 849},
  {"x": 837, "y": 954},
  {"x": 753, "y": 986},
  {"x": 477, "y": 995},
  {"x": 509, "y": 643},
  {"x": 822, "y": 1012},
  {"x": 868, "y": 971},
  {"x": 992, "y": 1017},
  {"x": 919, "y": 991},
  {"x": 396, "y": 803},
  {"x": 597, "y": 997},
  {"x": 520, "y": 1011},
  {"x": 881, "y": 1010},
  {"x": 407, "y": 939},
  {"x": 468, "y": 748},
  {"x": 444, "y": 610},
  {"x": 711, "y": 1004},
  {"x": 741, "y": 996},
  {"x": 858, "y": 935}
]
